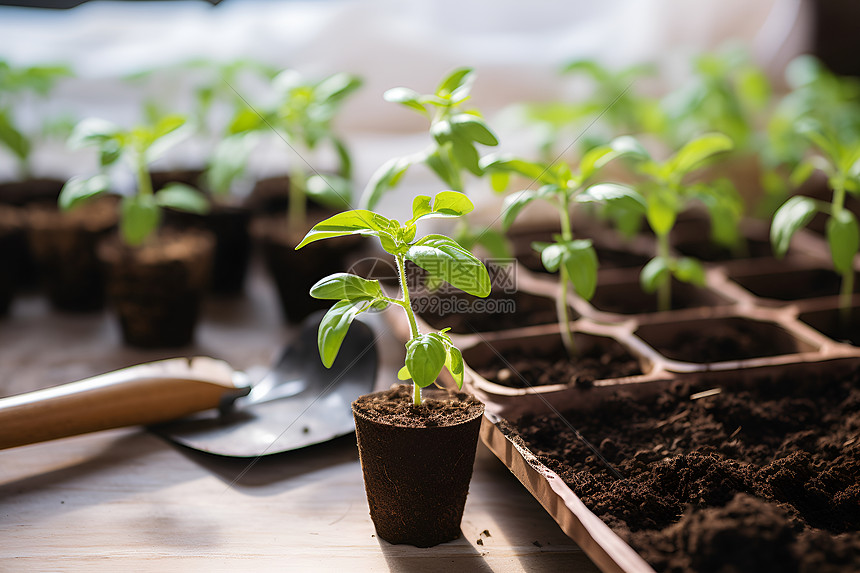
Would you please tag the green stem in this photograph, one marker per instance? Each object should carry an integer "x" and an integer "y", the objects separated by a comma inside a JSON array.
[
  {"x": 847, "y": 287},
  {"x": 664, "y": 290},
  {"x": 561, "y": 303},
  {"x": 297, "y": 207},
  {"x": 144, "y": 180},
  {"x": 413, "y": 324}
]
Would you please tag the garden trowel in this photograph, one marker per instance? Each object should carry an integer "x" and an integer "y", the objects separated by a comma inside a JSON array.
[{"x": 204, "y": 404}]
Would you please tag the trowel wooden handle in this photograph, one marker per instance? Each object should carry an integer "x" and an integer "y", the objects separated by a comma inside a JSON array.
[{"x": 143, "y": 394}]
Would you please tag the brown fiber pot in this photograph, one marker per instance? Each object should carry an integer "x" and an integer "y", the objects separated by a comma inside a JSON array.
[
  {"x": 416, "y": 474},
  {"x": 156, "y": 289}
]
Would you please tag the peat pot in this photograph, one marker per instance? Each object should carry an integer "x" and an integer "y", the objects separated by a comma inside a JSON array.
[{"x": 417, "y": 461}]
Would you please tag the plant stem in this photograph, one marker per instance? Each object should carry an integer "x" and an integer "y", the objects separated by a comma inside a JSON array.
[
  {"x": 413, "y": 324},
  {"x": 847, "y": 287},
  {"x": 297, "y": 207},
  {"x": 664, "y": 290},
  {"x": 144, "y": 179},
  {"x": 561, "y": 303}
]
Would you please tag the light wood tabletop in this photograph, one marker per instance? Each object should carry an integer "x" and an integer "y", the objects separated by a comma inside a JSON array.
[{"x": 126, "y": 499}]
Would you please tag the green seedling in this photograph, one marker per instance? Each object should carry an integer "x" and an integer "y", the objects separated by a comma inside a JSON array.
[
  {"x": 442, "y": 257},
  {"x": 663, "y": 194},
  {"x": 141, "y": 211},
  {"x": 839, "y": 159},
  {"x": 303, "y": 116},
  {"x": 456, "y": 134},
  {"x": 574, "y": 259},
  {"x": 16, "y": 83}
]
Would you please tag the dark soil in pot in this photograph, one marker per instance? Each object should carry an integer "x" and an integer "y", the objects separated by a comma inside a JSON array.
[
  {"x": 12, "y": 242},
  {"x": 295, "y": 272},
  {"x": 718, "y": 339},
  {"x": 529, "y": 365},
  {"x": 64, "y": 247},
  {"x": 756, "y": 479},
  {"x": 156, "y": 289},
  {"x": 417, "y": 461},
  {"x": 21, "y": 194},
  {"x": 629, "y": 298},
  {"x": 831, "y": 322},
  {"x": 231, "y": 227}
]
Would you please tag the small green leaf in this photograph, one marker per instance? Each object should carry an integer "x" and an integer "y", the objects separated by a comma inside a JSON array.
[
  {"x": 139, "y": 218},
  {"x": 336, "y": 87},
  {"x": 802, "y": 172},
  {"x": 454, "y": 364},
  {"x": 444, "y": 258},
  {"x": 697, "y": 151},
  {"x": 662, "y": 211},
  {"x": 92, "y": 132},
  {"x": 473, "y": 128},
  {"x": 403, "y": 374},
  {"x": 617, "y": 195},
  {"x": 843, "y": 237},
  {"x": 333, "y": 328},
  {"x": 421, "y": 206},
  {"x": 654, "y": 274},
  {"x": 346, "y": 286},
  {"x": 551, "y": 255},
  {"x": 794, "y": 214},
  {"x": 454, "y": 82},
  {"x": 452, "y": 204},
  {"x": 330, "y": 190},
  {"x": 499, "y": 181},
  {"x": 513, "y": 204},
  {"x": 496, "y": 163},
  {"x": 386, "y": 177},
  {"x": 407, "y": 97},
  {"x": 441, "y": 161},
  {"x": 78, "y": 190},
  {"x": 12, "y": 138},
  {"x": 229, "y": 161},
  {"x": 358, "y": 221},
  {"x": 425, "y": 358},
  {"x": 169, "y": 132},
  {"x": 689, "y": 270},
  {"x": 182, "y": 198},
  {"x": 580, "y": 262}
]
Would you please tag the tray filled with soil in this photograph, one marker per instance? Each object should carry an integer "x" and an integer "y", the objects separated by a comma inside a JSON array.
[{"x": 753, "y": 470}]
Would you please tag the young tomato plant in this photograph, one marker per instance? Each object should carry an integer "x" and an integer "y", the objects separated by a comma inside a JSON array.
[
  {"x": 663, "y": 194},
  {"x": 140, "y": 212},
  {"x": 574, "y": 259},
  {"x": 303, "y": 115},
  {"x": 839, "y": 158},
  {"x": 15, "y": 84},
  {"x": 442, "y": 257},
  {"x": 456, "y": 133}
]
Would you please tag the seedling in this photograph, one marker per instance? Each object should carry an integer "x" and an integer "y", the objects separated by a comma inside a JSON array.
[
  {"x": 303, "y": 116},
  {"x": 15, "y": 84},
  {"x": 443, "y": 259},
  {"x": 663, "y": 194},
  {"x": 456, "y": 133},
  {"x": 574, "y": 259},
  {"x": 838, "y": 157},
  {"x": 140, "y": 212}
]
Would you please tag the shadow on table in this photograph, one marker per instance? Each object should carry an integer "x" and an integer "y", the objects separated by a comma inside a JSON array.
[
  {"x": 457, "y": 555},
  {"x": 256, "y": 475}
]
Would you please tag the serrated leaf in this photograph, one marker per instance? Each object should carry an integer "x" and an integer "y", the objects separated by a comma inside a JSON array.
[
  {"x": 794, "y": 214},
  {"x": 346, "y": 286},
  {"x": 139, "y": 217},
  {"x": 425, "y": 358},
  {"x": 654, "y": 274},
  {"x": 444, "y": 258},
  {"x": 843, "y": 237},
  {"x": 333, "y": 328},
  {"x": 78, "y": 190}
]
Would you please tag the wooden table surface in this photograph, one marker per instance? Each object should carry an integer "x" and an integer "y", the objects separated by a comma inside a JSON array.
[{"x": 127, "y": 500}]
